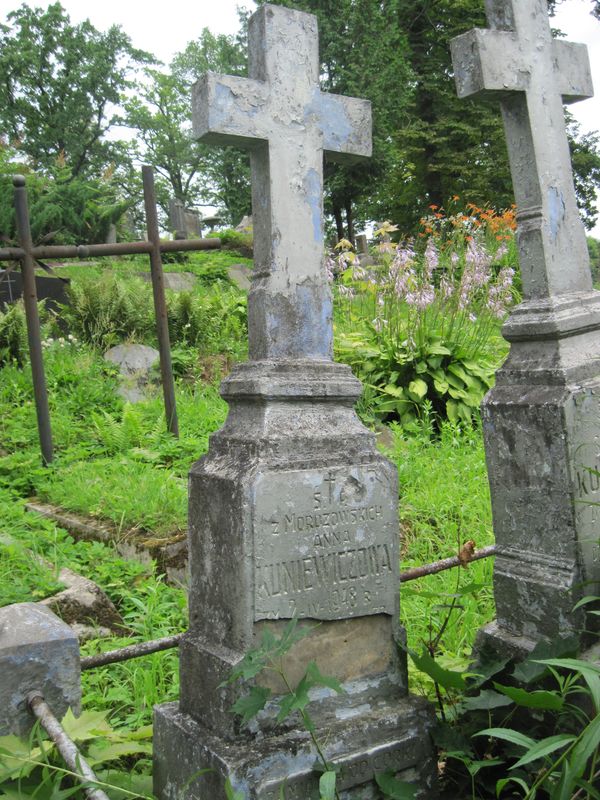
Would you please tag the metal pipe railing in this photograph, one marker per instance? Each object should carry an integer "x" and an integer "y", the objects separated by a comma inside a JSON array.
[{"x": 65, "y": 746}]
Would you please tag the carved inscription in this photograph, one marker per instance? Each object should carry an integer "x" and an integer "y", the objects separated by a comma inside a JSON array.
[
  {"x": 325, "y": 544},
  {"x": 587, "y": 507}
]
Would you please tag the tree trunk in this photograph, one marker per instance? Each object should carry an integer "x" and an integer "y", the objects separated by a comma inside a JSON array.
[
  {"x": 349, "y": 220},
  {"x": 339, "y": 223}
]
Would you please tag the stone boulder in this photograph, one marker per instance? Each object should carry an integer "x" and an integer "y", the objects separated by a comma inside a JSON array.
[{"x": 85, "y": 607}]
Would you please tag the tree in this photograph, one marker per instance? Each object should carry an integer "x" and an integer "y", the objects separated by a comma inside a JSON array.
[
  {"x": 362, "y": 55},
  {"x": 225, "y": 171},
  {"x": 57, "y": 84},
  {"x": 161, "y": 112},
  {"x": 63, "y": 209}
]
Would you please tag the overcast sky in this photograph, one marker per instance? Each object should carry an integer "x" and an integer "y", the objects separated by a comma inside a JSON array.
[{"x": 165, "y": 28}]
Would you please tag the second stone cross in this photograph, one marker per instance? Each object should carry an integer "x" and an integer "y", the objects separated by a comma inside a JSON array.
[{"x": 293, "y": 512}]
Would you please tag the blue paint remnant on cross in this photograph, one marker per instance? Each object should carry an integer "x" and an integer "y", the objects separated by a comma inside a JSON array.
[{"x": 281, "y": 116}]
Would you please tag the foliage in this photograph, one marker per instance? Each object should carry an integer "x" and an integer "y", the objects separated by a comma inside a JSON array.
[
  {"x": 108, "y": 310},
  {"x": 35, "y": 769},
  {"x": 239, "y": 242},
  {"x": 362, "y": 51},
  {"x": 13, "y": 334},
  {"x": 433, "y": 312},
  {"x": 161, "y": 112},
  {"x": 556, "y": 698},
  {"x": 64, "y": 209},
  {"x": 59, "y": 82}
]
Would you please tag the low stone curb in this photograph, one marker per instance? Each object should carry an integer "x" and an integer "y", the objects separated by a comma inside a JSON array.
[{"x": 170, "y": 554}]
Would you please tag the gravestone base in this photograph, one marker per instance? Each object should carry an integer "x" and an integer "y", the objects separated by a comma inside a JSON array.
[
  {"x": 541, "y": 426},
  {"x": 293, "y": 514},
  {"x": 390, "y": 736}
]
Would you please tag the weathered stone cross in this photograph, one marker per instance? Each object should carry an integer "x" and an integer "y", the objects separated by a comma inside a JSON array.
[
  {"x": 534, "y": 74},
  {"x": 280, "y": 114}
]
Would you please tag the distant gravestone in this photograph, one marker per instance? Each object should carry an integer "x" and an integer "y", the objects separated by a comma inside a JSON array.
[
  {"x": 241, "y": 275},
  {"x": 293, "y": 512},
  {"x": 362, "y": 245},
  {"x": 52, "y": 289},
  {"x": 542, "y": 419},
  {"x": 184, "y": 222},
  {"x": 135, "y": 363},
  {"x": 175, "y": 281},
  {"x": 245, "y": 225}
]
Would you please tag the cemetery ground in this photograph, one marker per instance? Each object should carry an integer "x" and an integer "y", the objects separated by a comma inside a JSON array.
[{"x": 116, "y": 464}]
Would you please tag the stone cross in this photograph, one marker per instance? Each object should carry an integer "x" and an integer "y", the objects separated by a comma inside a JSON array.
[
  {"x": 541, "y": 421},
  {"x": 293, "y": 511},
  {"x": 533, "y": 74},
  {"x": 281, "y": 115}
]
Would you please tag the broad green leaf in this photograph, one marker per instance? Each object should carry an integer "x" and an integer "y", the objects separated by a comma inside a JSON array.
[
  {"x": 327, "y": 785},
  {"x": 452, "y": 410},
  {"x": 16, "y": 757},
  {"x": 444, "y": 677},
  {"x": 549, "y": 745},
  {"x": 316, "y": 678},
  {"x": 417, "y": 388},
  {"x": 588, "y": 743},
  {"x": 508, "y": 735},
  {"x": 438, "y": 350},
  {"x": 249, "y": 705},
  {"x": 486, "y": 700},
  {"x": 505, "y": 781},
  {"x": 393, "y": 788},
  {"x": 545, "y": 701},
  {"x": 88, "y": 726},
  {"x": 589, "y": 671},
  {"x": 102, "y": 752},
  {"x": 395, "y": 391}
]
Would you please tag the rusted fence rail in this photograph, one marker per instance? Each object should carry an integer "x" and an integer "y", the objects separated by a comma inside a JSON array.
[
  {"x": 27, "y": 254},
  {"x": 170, "y": 642},
  {"x": 67, "y": 749}
]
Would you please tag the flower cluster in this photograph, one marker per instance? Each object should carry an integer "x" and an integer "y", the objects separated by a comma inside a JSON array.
[
  {"x": 61, "y": 341},
  {"x": 457, "y": 287}
]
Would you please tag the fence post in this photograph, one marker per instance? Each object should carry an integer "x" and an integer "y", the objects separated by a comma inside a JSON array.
[
  {"x": 160, "y": 305},
  {"x": 33, "y": 319}
]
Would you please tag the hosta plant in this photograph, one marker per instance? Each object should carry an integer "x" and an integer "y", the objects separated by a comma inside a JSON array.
[{"x": 420, "y": 325}]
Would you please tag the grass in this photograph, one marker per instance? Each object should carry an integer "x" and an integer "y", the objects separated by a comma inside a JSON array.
[
  {"x": 104, "y": 447},
  {"x": 208, "y": 266},
  {"x": 444, "y": 502}
]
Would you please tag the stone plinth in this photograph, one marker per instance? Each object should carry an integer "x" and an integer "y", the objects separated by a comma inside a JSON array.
[
  {"x": 38, "y": 652},
  {"x": 293, "y": 512}
]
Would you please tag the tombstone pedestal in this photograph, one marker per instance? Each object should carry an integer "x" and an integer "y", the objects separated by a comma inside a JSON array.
[
  {"x": 542, "y": 433},
  {"x": 293, "y": 512}
]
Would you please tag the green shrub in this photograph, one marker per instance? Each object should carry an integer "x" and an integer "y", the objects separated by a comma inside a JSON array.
[
  {"x": 13, "y": 335},
  {"x": 231, "y": 239},
  {"x": 213, "y": 321},
  {"x": 108, "y": 310}
]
